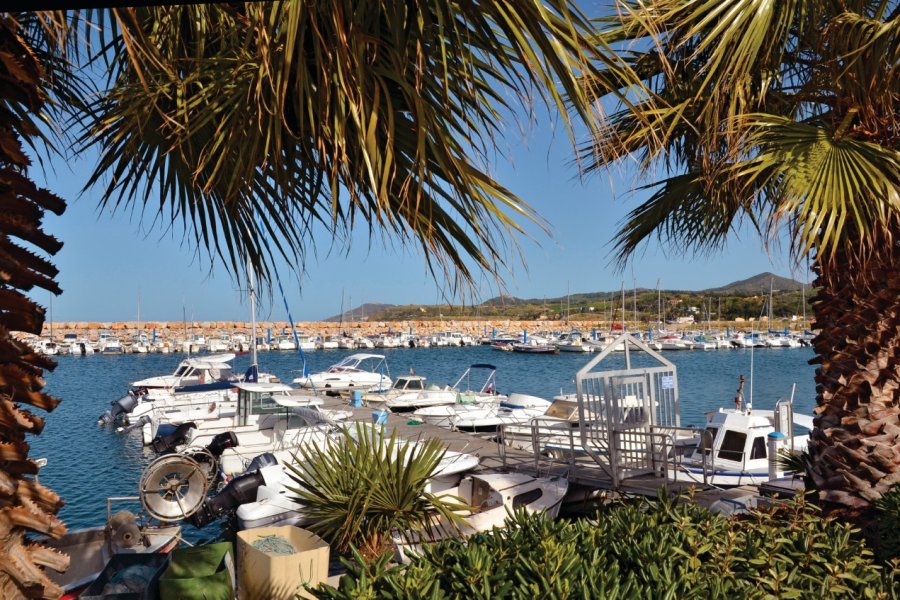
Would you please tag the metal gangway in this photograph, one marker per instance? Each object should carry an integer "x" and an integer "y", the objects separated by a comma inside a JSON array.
[{"x": 627, "y": 423}]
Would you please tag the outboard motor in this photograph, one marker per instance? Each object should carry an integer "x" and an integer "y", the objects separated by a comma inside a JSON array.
[
  {"x": 121, "y": 407},
  {"x": 136, "y": 425},
  {"x": 266, "y": 459},
  {"x": 165, "y": 444},
  {"x": 221, "y": 442},
  {"x": 240, "y": 490}
]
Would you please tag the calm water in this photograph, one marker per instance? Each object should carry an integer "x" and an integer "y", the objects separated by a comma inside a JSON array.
[{"x": 86, "y": 463}]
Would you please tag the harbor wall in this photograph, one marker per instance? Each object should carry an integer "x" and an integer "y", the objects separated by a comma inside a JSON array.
[{"x": 478, "y": 328}]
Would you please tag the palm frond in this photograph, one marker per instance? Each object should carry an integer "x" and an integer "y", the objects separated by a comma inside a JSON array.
[
  {"x": 692, "y": 212},
  {"x": 333, "y": 113},
  {"x": 825, "y": 184}
]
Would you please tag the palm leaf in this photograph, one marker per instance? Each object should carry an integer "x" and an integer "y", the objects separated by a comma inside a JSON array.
[
  {"x": 826, "y": 185},
  {"x": 261, "y": 120}
]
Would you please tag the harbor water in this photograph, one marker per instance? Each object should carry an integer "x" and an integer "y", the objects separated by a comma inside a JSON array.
[{"x": 88, "y": 463}]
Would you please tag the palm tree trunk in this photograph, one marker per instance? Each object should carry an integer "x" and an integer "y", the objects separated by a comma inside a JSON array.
[
  {"x": 855, "y": 446},
  {"x": 25, "y": 505}
]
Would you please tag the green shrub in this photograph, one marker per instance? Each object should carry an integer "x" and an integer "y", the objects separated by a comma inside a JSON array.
[
  {"x": 666, "y": 549},
  {"x": 887, "y": 525}
]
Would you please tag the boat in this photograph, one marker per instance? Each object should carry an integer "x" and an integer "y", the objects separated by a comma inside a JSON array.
[
  {"x": 493, "y": 497},
  {"x": 357, "y": 371},
  {"x": 78, "y": 346},
  {"x": 221, "y": 343},
  {"x": 517, "y": 409},
  {"x": 109, "y": 344},
  {"x": 733, "y": 451},
  {"x": 196, "y": 381},
  {"x": 140, "y": 344},
  {"x": 572, "y": 341},
  {"x": 285, "y": 343},
  {"x": 674, "y": 342},
  {"x": 92, "y": 548},
  {"x": 410, "y": 392},
  {"x": 332, "y": 342},
  {"x": 534, "y": 347},
  {"x": 46, "y": 347},
  {"x": 270, "y": 418}
]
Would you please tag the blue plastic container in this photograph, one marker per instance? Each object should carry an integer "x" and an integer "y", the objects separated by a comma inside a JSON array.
[
  {"x": 379, "y": 417},
  {"x": 356, "y": 398}
]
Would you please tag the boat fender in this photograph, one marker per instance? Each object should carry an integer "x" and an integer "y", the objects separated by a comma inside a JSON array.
[
  {"x": 240, "y": 490},
  {"x": 221, "y": 442},
  {"x": 165, "y": 444}
]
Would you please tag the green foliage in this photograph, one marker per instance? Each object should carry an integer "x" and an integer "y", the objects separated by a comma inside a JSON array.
[
  {"x": 887, "y": 521},
  {"x": 360, "y": 488},
  {"x": 667, "y": 549},
  {"x": 268, "y": 120}
]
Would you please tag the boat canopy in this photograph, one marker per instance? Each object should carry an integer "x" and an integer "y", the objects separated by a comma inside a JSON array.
[
  {"x": 263, "y": 387},
  {"x": 297, "y": 401}
]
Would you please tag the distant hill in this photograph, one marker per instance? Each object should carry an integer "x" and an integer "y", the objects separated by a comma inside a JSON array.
[
  {"x": 359, "y": 313},
  {"x": 758, "y": 284}
]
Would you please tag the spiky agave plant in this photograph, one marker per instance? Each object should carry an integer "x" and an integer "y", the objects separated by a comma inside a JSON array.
[
  {"x": 361, "y": 486},
  {"x": 25, "y": 505}
]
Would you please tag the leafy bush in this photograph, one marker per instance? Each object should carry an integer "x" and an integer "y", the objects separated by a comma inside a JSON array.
[
  {"x": 640, "y": 549},
  {"x": 887, "y": 525}
]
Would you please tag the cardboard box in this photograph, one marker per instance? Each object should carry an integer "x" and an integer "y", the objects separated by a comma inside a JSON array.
[{"x": 276, "y": 576}]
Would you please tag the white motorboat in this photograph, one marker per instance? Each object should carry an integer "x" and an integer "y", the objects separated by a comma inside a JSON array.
[
  {"x": 672, "y": 342},
  {"x": 221, "y": 343},
  {"x": 46, "y": 347},
  {"x": 196, "y": 381},
  {"x": 486, "y": 417},
  {"x": 572, "y": 341},
  {"x": 77, "y": 346},
  {"x": 332, "y": 342},
  {"x": 284, "y": 343},
  {"x": 140, "y": 344},
  {"x": 733, "y": 449},
  {"x": 192, "y": 371},
  {"x": 410, "y": 392},
  {"x": 357, "y": 371},
  {"x": 494, "y": 496},
  {"x": 270, "y": 418},
  {"x": 346, "y": 342},
  {"x": 109, "y": 344}
]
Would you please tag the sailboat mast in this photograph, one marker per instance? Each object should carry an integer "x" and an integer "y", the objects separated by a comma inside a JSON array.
[
  {"x": 252, "y": 291},
  {"x": 658, "y": 305},
  {"x": 623, "y": 306}
]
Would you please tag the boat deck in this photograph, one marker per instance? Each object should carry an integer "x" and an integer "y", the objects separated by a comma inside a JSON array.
[{"x": 582, "y": 472}]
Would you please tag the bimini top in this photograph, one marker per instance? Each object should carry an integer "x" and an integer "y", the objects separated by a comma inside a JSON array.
[{"x": 263, "y": 387}]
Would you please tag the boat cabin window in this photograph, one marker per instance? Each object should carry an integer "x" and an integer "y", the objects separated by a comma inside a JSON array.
[
  {"x": 732, "y": 447},
  {"x": 181, "y": 370},
  {"x": 759, "y": 448},
  {"x": 264, "y": 404},
  {"x": 527, "y": 498},
  {"x": 414, "y": 384}
]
